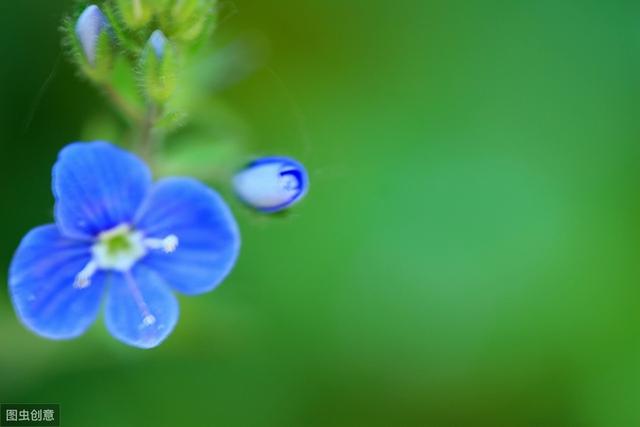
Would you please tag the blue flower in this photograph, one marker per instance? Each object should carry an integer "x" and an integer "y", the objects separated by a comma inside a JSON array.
[
  {"x": 89, "y": 26},
  {"x": 119, "y": 234},
  {"x": 271, "y": 184},
  {"x": 158, "y": 42}
]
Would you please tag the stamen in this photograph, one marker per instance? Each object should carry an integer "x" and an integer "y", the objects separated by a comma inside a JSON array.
[
  {"x": 83, "y": 279},
  {"x": 169, "y": 244},
  {"x": 148, "y": 319}
]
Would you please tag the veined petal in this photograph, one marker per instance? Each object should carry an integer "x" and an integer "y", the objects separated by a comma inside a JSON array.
[
  {"x": 141, "y": 310},
  {"x": 97, "y": 187},
  {"x": 41, "y": 284},
  {"x": 208, "y": 240}
]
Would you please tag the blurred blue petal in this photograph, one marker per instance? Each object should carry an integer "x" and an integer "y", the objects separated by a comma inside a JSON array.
[
  {"x": 141, "y": 310},
  {"x": 41, "y": 281},
  {"x": 97, "y": 187},
  {"x": 158, "y": 42},
  {"x": 88, "y": 28},
  {"x": 207, "y": 233},
  {"x": 272, "y": 184}
]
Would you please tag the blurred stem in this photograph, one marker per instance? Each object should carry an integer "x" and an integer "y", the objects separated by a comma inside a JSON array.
[
  {"x": 147, "y": 137},
  {"x": 143, "y": 123}
]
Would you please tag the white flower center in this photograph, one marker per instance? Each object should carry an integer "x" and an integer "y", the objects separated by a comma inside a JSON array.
[{"x": 119, "y": 249}]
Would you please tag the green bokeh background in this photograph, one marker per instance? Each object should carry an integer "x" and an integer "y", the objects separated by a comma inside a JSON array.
[{"x": 467, "y": 256}]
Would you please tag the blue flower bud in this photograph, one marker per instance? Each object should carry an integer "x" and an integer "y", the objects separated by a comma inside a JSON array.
[
  {"x": 271, "y": 184},
  {"x": 89, "y": 26},
  {"x": 158, "y": 42}
]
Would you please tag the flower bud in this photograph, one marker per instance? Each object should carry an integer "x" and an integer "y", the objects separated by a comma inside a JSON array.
[
  {"x": 271, "y": 184},
  {"x": 159, "y": 68},
  {"x": 136, "y": 13},
  {"x": 89, "y": 27},
  {"x": 188, "y": 19}
]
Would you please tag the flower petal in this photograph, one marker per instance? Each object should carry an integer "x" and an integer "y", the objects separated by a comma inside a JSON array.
[
  {"x": 41, "y": 281},
  {"x": 141, "y": 310},
  {"x": 97, "y": 187},
  {"x": 208, "y": 236}
]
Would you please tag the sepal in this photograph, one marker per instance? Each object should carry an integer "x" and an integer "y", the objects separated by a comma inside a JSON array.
[{"x": 159, "y": 68}]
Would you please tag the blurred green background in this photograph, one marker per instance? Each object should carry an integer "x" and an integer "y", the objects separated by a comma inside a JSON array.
[{"x": 467, "y": 256}]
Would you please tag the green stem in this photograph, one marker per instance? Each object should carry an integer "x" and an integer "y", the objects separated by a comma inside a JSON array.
[{"x": 147, "y": 137}]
